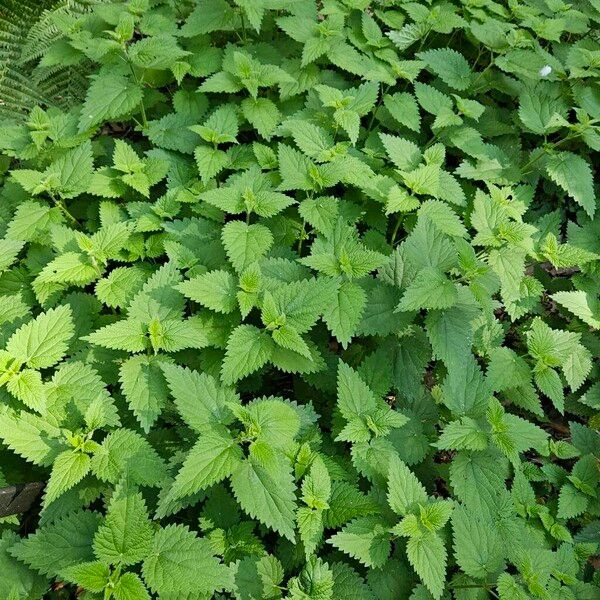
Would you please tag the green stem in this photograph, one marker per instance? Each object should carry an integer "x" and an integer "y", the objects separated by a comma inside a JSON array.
[
  {"x": 144, "y": 118},
  {"x": 432, "y": 140},
  {"x": 139, "y": 83},
  {"x": 58, "y": 202},
  {"x": 67, "y": 213},
  {"x": 483, "y": 586},
  {"x": 545, "y": 149},
  {"x": 476, "y": 62},
  {"x": 423, "y": 40},
  {"x": 482, "y": 73},
  {"x": 301, "y": 238},
  {"x": 396, "y": 228},
  {"x": 379, "y": 101},
  {"x": 243, "y": 26}
]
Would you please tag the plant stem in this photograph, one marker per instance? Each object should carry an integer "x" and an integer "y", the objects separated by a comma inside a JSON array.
[
  {"x": 139, "y": 83},
  {"x": 379, "y": 101},
  {"x": 482, "y": 73},
  {"x": 545, "y": 149},
  {"x": 301, "y": 238},
  {"x": 483, "y": 586},
  {"x": 243, "y": 26},
  {"x": 395, "y": 231},
  {"x": 58, "y": 202}
]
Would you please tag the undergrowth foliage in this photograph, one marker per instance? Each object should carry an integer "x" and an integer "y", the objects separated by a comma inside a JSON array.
[{"x": 301, "y": 302}]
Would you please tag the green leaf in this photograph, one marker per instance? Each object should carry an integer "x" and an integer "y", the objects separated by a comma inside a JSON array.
[
  {"x": 179, "y": 562},
  {"x": 548, "y": 381},
  {"x": 573, "y": 174},
  {"x": 310, "y": 528},
  {"x": 343, "y": 254},
  {"x": 265, "y": 489},
  {"x": 294, "y": 169},
  {"x": 221, "y": 126},
  {"x": 210, "y": 161},
  {"x": 74, "y": 170},
  {"x": 144, "y": 387},
  {"x": 28, "y": 387},
  {"x": 346, "y": 503},
  {"x": 571, "y": 502},
  {"x": 364, "y": 539},
  {"x": 93, "y": 576},
  {"x": 424, "y": 180},
  {"x": 509, "y": 589},
  {"x": 248, "y": 349},
  {"x": 118, "y": 288},
  {"x": 127, "y": 335},
  {"x": 465, "y": 390},
  {"x": 435, "y": 515},
  {"x": 355, "y": 398},
  {"x": 427, "y": 555},
  {"x": 125, "y": 537},
  {"x": 343, "y": 315},
  {"x": 450, "y": 331},
  {"x": 12, "y": 307},
  {"x": 70, "y": 538},
  {"x": 315, "y": 581},
  {"x": 464, "y": 434},
  {"x": 276, "y": 420},
  {"x": 126, "y": 452},
  {"x": 200, "y": 400},
  {"x": 507, "y": 369},
  {"x": 477, "y": 545},
  {"x": 29, "y": 220},
  {"x": 443, "y": 217},
  {"x": 403, "y": 153},
  {"x": 430, "y": 289},
  {"x": 110, "y": 96},
  {"x": 156, "y": 52},
  {"x": 541, "y": 108},
  {"x": 316, "y": 487},
  {"x": 215, "y": 290},
  {"x": 313, "y": 140},
  {"x": 130, "y": 587},
  {"x": 450, "y": 66},
  {"x": 403, "y": 107},
  {"x": 42, "y": 342},
  {"x": 215, "y": 455},
  {"x": 245, "y": 244},
  {"x": 405, "y": 491},
  {"x": 577, "y": 366},
  {"x": 32, "y": 437},
  {"x": 432, "y": 100},
  {"x": 18, "y": 580},
  {"x": 288, "y": 337},
  {"x": 262, "y": 114},
  {"x": 69, "y": 468}
]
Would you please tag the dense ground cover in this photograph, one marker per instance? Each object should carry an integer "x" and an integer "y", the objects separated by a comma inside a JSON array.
[{"x": 300, "y": 299}]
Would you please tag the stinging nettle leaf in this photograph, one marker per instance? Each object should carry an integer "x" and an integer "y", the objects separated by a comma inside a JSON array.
[
  {"x": 43, "y": 341},
  {"x": 450, "y": 66},
  {"x": 110, "y": 96}
]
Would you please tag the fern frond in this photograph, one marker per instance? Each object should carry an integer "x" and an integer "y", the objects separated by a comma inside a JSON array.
[
  {"x": 27, "y": 29},
  {"x": 45, "y": 31},
  {"x": 62, "y": 86}
]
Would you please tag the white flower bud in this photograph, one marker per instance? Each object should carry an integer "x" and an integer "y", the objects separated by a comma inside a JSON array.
[{"x": 545, "y": 71}]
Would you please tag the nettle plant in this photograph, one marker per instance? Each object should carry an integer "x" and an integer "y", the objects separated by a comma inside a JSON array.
[{"x": 301, "y": 301}]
